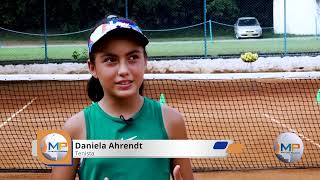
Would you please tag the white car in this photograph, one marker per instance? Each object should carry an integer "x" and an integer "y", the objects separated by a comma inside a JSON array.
[{"x": 247, "y": 27}]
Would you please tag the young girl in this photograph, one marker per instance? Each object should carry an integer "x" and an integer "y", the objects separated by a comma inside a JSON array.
[{"x": 117, "y": 63}]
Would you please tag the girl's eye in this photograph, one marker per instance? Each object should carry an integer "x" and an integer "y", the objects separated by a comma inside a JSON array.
[
  {"x": 110, "y": 60},
  {"x": 133, "y": 57}
]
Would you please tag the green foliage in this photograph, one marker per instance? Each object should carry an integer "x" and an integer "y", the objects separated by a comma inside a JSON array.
[
  {"x": 73, "y": 15},
  {"x": 223, "y": 10},
  {"x": 261, "y": 9},
  {"x": 75, "y": 55},
  {"x": 84, "y": 54}
]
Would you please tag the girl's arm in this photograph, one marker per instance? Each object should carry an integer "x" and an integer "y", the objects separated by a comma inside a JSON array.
[
  {"x": 176, "y": 129},
  {"x": 65, "y": 172},
  {"x": 75, "y": 127}
]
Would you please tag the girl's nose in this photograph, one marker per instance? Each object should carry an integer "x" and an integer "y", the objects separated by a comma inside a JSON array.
[{"x": 123, "y": 68}]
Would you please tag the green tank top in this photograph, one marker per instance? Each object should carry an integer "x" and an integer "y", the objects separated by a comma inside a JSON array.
[{"x": 147, "y": 124}]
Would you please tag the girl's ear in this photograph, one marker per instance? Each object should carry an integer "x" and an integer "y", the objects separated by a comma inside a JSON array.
[
  {"x": 145, "y": 58},
  {"x": 92, "y": 69},
  {"x": 145, "y": 64},
  {"x": 145, "y": 61}
]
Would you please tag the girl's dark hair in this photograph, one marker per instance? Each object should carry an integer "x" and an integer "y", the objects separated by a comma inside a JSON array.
[
  {"x": 95, "y": 91},
  {"x": 94, "y": 88}
]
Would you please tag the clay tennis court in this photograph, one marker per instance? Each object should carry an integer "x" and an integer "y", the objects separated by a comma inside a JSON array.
[{"x": 249, "y": 111}]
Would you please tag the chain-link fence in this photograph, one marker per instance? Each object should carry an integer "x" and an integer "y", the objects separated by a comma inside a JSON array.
[{"x": 57, "y": 31}]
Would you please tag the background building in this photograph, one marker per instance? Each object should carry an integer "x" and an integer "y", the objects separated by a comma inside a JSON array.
[{"x": 303, "y": 17}]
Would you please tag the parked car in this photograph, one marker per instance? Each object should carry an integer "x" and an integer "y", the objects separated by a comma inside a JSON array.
[{"x": 247, "y": 27}]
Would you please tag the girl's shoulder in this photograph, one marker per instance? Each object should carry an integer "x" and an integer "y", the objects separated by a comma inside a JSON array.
[
  {"x": 174, "y": 123},
  {"x": 75, "y": 126}
]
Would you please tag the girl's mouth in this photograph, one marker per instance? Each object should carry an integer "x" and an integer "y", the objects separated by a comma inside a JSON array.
[{"x": 124, "y": 85}]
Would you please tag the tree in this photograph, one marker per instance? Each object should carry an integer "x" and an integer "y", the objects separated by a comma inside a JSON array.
[
  {"x": 225, "y": 11},
  {"x": 73, "y": 15},
  {"x": 261, "y": 9}
]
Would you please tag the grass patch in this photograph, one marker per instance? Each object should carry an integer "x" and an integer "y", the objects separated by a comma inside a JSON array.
[
  {"x": 233, "y": 47},
  {"x": 37, "y": 53},
  {"x": 180, "y": 48}
]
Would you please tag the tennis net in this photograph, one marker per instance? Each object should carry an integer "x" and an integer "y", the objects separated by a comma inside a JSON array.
[{"x": 249, "y": 108}]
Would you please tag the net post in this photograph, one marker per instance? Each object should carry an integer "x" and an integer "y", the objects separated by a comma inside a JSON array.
[
  {"x": 285, "y": 27},
  {"x": 210, "y": 28},
  {"x": 316, "y": 23},
  {"x": 205, "y": 27},
  {"x": 126, "y": 8},
  {"x": 45, "y": 32}
]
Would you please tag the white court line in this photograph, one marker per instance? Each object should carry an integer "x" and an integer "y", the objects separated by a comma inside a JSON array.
[
  {"x": 292, "y": 130},
  {"x": 16, "y": 113}
]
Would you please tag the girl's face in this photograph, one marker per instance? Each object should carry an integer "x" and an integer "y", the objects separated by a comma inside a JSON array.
[{"x": 119, "y": 66}]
